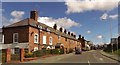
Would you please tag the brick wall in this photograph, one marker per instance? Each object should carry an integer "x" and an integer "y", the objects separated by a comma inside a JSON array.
[{"x": 22, "y": 34}]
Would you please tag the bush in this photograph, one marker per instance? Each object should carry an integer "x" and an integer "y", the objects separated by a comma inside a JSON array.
[
  {"x": 3, "y": 57},
  {"x": 61, "y": 51},
  {"x": 55, "y": 51},
  {"x": 26, "y": 50},
  {"x": 48, "y": 51},
  {"x": 28, "y": 55},
  {"x": 38, "y": 53}
]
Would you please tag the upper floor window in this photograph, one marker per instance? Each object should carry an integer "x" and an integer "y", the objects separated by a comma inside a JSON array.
[
  {"x": 15, "y": 37},
  {"x": 50, "y": 40},
  {"x": 44, "y": 39},
  {"x": 36, "y": 38},
  {"x": 1, "y": 38}
]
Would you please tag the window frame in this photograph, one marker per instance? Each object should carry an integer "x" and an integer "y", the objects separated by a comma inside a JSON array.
[
  {"x": 36, "y": 38},
  {"x": 15, "y": 38},
  {"x": 50, "y": 40},
  {"x": 44, "y": 39}
]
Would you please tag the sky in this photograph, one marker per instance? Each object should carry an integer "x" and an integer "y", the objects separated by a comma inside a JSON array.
[{"x": 89, "y": 18}]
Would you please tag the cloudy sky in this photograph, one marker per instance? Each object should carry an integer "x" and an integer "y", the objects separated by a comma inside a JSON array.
[{"x": 90, "y": 18}]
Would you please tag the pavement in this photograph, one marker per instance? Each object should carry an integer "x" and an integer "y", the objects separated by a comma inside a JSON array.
[{"x": 114, "y": 57}]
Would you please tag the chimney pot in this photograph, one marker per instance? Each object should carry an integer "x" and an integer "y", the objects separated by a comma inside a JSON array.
[
  {"x": 55, "y": 26},
  {"x": 61, "y": 29},
  {"x": 71, "y": 34},
  {"x": 34, "y": 15},
  {"x": 82, "y": 37},
  {"x": 68, "y": 33},
  {"x": 79, "y": 36},
  {"x": 65, "y": 31}
]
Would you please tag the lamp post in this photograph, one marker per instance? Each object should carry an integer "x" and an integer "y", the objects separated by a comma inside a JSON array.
[{"x": 111, "y": 35}]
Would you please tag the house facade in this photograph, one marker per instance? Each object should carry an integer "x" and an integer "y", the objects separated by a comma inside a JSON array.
[{"x": 33, "y": 35}]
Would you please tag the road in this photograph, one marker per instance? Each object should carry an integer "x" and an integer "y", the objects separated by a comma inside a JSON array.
[{"x": 88, "y": 57}]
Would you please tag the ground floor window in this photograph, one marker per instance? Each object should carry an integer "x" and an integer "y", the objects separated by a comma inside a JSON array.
[{"x": 17, "y": 50}]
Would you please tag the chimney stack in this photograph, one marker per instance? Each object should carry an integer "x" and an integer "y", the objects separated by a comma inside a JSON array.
[
  {"x": 65, "y": 31},
  {"x": 82, "y": 37},
  {"x": 34, "y": 15},
  {"x": 55, "y": 26},
  {"x": 61, "y": 29},
  {"x": 71, "y": 34},
  {"x": 79, "y": 36},
  {"x": 74, "y": 36},
  {"x": 68, "y": 33}
]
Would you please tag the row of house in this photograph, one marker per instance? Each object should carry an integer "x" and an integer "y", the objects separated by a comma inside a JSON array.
[{"x": 33, "y": 35}]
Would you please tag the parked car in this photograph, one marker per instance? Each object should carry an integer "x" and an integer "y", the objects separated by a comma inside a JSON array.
[{"x": 78, "y": 51}]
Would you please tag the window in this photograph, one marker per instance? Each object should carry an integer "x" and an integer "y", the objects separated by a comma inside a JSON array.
[
  {"x": 15, "y": 38},
  {"x": 17, "y": 51},
  {"x": 36, "y": 38},
  {"x": 1, "y": 38},
  {"x": 50, "y": 40},
  {"x": 44, "y": 39}
]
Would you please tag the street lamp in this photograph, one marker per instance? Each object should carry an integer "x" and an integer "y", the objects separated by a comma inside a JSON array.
[{"x": 111, "y": 35}]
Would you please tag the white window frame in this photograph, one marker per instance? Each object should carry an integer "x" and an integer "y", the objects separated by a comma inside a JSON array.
[
  {"x": 50, "y": 40},
  {"x": 44, "y": 39},
  {"x": 3, "y": 39},
  {"x": 36, "y": 38},
  {"x": 14, "y": 37}
]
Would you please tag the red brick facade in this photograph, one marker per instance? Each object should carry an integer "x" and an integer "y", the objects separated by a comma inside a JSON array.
[{"x": 27, "y": 30}]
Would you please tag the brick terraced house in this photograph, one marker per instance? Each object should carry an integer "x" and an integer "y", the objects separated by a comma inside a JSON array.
[{"x": 33, "y": 35}]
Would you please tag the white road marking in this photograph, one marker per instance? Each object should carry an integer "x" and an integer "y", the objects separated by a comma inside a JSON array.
[{"x": 89, "y": 62}]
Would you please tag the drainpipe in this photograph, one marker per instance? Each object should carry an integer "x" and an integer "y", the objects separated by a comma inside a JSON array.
[{"x": 39, "y": 38}]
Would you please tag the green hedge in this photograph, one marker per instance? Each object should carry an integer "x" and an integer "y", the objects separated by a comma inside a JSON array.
[
  {"x": 42, "y": 52},
  {"x": 3, "y": 57},
  {"x": 28, "y": 55},
  {"x": 46, "y": 52}
]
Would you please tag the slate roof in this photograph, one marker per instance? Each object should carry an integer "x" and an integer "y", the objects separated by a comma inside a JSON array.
[{"x": 32, "y": 22}]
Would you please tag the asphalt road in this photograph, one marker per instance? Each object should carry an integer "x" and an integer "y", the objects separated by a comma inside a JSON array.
[{"x": 88, "y": 57}]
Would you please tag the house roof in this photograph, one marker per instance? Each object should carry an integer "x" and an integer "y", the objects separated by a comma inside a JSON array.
[{"x": 32, "y": 22}]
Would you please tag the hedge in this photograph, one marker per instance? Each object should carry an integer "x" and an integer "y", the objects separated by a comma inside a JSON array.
[
  {"x": 3, "y": 57},
  {"x": 28, "y": 55}
]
